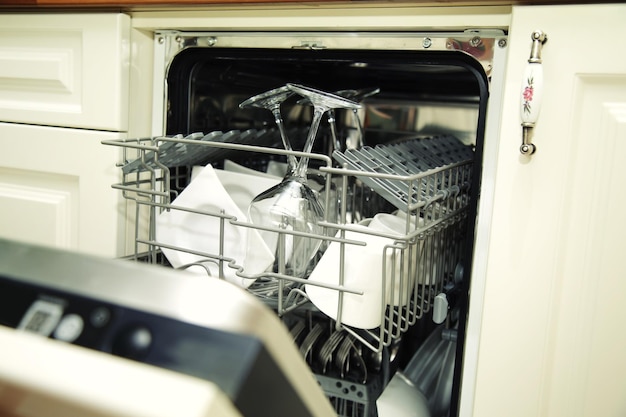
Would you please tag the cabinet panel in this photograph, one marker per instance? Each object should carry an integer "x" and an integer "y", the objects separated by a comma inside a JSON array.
[
  {"x": 39, "y": 208},
  {"x": 55, "y": 188},
  {"x": 587, "y": 371},
  {"x": 65, "y": 70},
  {"x": 550, "y": 342}
]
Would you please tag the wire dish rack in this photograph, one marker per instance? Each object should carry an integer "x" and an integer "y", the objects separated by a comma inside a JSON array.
[{"x": 423, "y": 181}]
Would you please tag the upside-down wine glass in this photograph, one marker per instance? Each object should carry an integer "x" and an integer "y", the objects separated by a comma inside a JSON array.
[
  {"x": 292, "y": 205},
  {"x": 271, "y": 100},
  {"x": 354, "y": 193},
  {"x": 358, "y": 96},
  {"x": 353, "y": 95}
]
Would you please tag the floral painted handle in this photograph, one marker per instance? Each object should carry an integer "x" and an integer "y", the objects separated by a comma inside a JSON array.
[{"x": 532, "y": 91}]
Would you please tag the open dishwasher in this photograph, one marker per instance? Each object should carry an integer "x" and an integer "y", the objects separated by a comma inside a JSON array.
[{"x": 401, "y": 141}]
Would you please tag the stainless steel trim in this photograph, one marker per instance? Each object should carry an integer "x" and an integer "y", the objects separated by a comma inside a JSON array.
[{"x": 480, "y": 43}]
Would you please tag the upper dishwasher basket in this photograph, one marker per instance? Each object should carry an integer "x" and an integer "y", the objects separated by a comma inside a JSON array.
[{"x": 424, "y": 258}]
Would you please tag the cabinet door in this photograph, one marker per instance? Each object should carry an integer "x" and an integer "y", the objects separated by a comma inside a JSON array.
[
  {"x": 65, "y": 70},
  {"x": 55, "y": 188},
  {"x": 552, "y": 341}
]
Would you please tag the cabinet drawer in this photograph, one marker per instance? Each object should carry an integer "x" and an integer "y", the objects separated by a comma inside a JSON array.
[{"x": 66, "y": 70}]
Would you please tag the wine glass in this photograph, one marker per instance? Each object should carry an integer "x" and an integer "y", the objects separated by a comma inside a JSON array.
[
  {"x": 292, "y": 205},
  {"x": 358, "y": 96},
  {"x": 271, "y": 100},
  {"x": 322, "y": 102}
]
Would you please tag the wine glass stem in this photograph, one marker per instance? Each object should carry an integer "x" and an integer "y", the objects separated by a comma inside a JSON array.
[
  {"x": 308, "y": 145},
  {"x": 359, "y": 128},
  {"x": 292, "y": 162},
  {"x": 333, "y": 130}
]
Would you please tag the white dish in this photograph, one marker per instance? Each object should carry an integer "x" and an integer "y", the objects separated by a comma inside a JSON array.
[
  {"x": 276, "y": 169},
  {"x": 200, "y": 232},
  {"x": 403, "y": 272},
  {"x": 390, "y": 223},
  {"x": 235, "y": 167},
  {"x": 363, "y": 272},
  {"x": 242, "y": 187}
]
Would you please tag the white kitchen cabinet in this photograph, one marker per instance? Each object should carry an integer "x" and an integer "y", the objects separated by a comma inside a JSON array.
[
  {"x": 63, "y": 89},
  {"x": 65, "y": 70},
  {"x": 545, "y": 334},
  {"x": 55, "y": 188}
]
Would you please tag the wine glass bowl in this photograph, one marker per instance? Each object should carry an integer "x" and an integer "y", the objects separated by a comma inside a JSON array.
[{"x": 290, "y": 206}]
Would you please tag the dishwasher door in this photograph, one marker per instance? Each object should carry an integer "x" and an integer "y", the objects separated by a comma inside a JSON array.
[{"x": 152, "y": 324}]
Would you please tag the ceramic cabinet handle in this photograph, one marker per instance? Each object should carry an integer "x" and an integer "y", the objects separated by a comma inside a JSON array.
[{"x": 532, "y": 91}]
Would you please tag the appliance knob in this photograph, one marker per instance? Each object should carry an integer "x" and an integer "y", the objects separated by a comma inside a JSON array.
[
  {"x": 69, "y": 328},
  {"x": 100, "y": 317},
  {"x": 134, "y": 342}
]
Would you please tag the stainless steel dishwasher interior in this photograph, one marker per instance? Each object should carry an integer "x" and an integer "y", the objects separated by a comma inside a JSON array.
[{"x": 429, "y": 105}]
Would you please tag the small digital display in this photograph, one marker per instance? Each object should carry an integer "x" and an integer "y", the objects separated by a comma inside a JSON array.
[{"x": 41, "y": 317}]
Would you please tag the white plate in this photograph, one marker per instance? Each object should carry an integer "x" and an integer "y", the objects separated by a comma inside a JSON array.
[
  {"x": 363, "y": 272},
  {"x": 235, "y": 167},
  {"x": 241, "y": 186},
  {"x": 277, "y": 169},
  {"x": 199, "y": 232}
]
